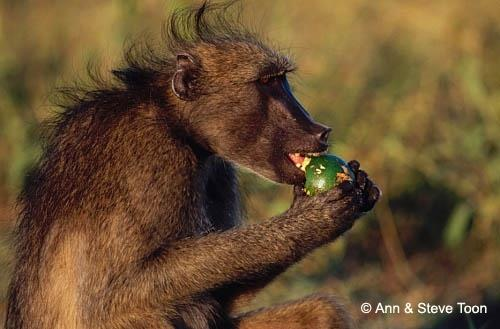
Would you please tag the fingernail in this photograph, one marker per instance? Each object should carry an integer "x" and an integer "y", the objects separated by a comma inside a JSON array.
[
  {"x": 354, "y": 164},
  {"x": 375, "y": 192}
]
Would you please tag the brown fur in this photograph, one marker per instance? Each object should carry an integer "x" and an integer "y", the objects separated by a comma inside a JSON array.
[
  {"x": 132, "y": 217},
  {"x": 318, "y": 311}
]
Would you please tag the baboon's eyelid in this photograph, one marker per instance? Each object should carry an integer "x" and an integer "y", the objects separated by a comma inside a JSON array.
[{"x": 269, "y": 76}]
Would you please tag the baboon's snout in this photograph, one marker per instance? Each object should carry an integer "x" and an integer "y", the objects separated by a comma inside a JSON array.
[
  {"x": 315, "y": 136},
  {"x": 321, "y": 133},
  {"x": 313, "y": 133}
]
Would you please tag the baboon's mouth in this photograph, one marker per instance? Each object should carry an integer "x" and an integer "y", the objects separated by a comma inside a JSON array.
[{"x": 301, "y": 160}]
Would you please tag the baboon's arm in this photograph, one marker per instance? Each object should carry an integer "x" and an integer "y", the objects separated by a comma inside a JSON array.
[
  {"x": 243, "y": 257},
  {"x": 250, "y": 253}
]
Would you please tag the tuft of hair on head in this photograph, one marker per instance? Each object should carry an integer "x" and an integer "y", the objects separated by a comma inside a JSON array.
[{"x": 211, "y": 22}]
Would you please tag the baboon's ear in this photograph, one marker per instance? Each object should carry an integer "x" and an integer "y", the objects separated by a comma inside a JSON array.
[{"x": 184, "y": 77}]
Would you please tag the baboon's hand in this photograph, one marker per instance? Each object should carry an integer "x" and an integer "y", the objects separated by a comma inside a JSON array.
[{"x": 342, "y": 204}]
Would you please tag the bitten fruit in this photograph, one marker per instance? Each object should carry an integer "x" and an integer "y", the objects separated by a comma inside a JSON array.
[{"x": 325, "y": 172}]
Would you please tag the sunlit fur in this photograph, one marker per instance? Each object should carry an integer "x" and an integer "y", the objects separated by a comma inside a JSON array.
[{"x": 130, "y": 219}]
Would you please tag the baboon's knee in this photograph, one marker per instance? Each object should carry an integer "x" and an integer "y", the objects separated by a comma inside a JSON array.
[
  {"x": 315, "y": 312},
  {"x": 325, "y": 311}
]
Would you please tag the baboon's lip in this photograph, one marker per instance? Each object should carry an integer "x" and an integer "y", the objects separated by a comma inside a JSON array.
[{"x": 301, "y": 160}]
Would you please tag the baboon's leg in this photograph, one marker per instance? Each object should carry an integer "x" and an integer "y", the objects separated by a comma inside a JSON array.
[{"x": 315, "y": 312}]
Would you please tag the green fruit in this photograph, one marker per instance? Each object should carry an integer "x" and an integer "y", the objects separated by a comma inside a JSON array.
[{"x": 325, "y": 172}]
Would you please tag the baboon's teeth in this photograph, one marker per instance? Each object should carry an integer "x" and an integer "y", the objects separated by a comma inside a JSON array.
[
  {"x": 296, "y": 158},
  {"x": 301, "y": 160},
  {"x": 305, "y": 163}
]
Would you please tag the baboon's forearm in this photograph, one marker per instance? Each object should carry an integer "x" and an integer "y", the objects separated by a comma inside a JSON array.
[{"x": 238, "y": 255}]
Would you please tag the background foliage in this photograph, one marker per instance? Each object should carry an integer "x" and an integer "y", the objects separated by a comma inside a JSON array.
[{"x": 412, "y": 89}]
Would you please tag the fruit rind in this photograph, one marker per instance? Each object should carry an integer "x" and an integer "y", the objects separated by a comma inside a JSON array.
[{"x": 325, "y": 172}]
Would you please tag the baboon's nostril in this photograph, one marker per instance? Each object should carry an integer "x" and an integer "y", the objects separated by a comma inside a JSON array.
[{"x": 323, "y": 135}]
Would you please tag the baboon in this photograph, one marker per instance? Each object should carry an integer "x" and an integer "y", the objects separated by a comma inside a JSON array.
[{"x": 131, "y": 219}]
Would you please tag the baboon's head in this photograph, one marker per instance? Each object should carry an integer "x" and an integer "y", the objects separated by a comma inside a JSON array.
[{"x": 235, "y": 98}]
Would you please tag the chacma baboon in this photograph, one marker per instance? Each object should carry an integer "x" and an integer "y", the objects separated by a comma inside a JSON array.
[{"x": 131, "y": 219}]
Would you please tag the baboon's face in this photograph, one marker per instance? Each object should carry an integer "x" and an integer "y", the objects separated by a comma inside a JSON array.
[{"x": 245, "y": 112}]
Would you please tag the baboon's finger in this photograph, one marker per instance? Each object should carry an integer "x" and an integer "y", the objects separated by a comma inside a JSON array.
[
  {"x": 374, "y": 193},
  {"x": 298, "y": 192},
  {"x": 354, "y": 165},
  {"x": 342, "y": 190},
  {"x": 361, "y": 179}
]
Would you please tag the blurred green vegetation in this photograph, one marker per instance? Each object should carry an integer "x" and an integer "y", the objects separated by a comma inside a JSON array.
[{"x": 412, "y": 89}]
